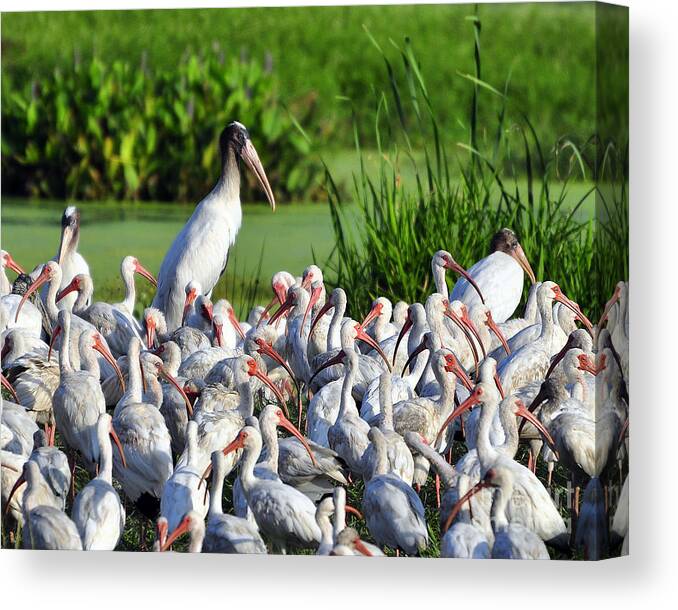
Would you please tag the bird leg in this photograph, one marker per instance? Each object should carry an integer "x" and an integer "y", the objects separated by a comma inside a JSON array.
[
  {"x": 397, "y": 552},
  {"x": 437, "y": 490},
  {"x": 550, "y": 473},
  {"x": 71, "y": 466},
  {"x": 142, "y": 535},
  {"x": 530, "y": 461}
]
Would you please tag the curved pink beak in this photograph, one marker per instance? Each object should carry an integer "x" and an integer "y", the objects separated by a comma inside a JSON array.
[
  {"x": 315, "y": 295},
  {"x": 40, "y": 280},
  {"x": 12, "y": 264},
  {"x": 373, "y": 314},
  {"x": 457, "y": 268},
  {"x": 8, "y": 386},
  {"x": 100, "y": 347},
  {"x": 519, "y": 255},
  {"x": 171, "y": 379},
  {"x": 497, "y": 331},
  {"x": 141, "y": 270},
  {"x": 190, "y": 299}
]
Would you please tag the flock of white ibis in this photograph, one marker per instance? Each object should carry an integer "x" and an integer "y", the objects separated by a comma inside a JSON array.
[{"x": 176, "y": 415}]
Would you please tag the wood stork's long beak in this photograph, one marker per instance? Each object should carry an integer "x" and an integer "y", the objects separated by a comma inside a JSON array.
[
  {"x": 67, "y": 235},
  {"x": 251, "y": 158},
  {"x": 519, "y": 255}
]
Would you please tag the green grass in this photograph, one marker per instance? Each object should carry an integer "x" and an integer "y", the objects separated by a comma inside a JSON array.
[{"x": 548, "y": 50}]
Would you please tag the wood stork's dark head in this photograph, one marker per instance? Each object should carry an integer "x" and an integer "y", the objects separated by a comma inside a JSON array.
[
  {"x": 70, "y": 232},
  {"x": 506, "y": 241},
  {"x": 235, "y": 138}
]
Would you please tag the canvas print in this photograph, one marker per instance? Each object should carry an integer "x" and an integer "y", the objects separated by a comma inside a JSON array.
[{"x": 334, "y": 281}]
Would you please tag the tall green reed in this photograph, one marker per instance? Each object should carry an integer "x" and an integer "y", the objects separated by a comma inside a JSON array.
[{"x": 501, "y": 177}]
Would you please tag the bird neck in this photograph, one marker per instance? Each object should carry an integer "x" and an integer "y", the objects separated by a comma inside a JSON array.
[
  {"x": 227, "y": 188},
  {"x": 64, "y": 348},
  {"x": 334, "y": 329},
  {"x": 246, "y": 406},
  {"x": 486, "y": 451},
  {"x": 130, "y": 289},
  {"x": 445, "y": 471},
  {"x": 89, "y": 361},
  {"x": 510, "y": 426},
  {"x": 197, "y": 535},
  {"x": 247, "y": 463},
  {"x": 386, "y": 403},
  {"x": 216, "y": 492},
  {"x": 439, "y": 280},
  {"x": 50, "y": 299},
  {"x": 381, "y": 459},
  {"x": 347, "y": 386},
  {"x": 326, "y": 533},
  {"x": 153, "y": 391},
  {"x": 134, "y": 385},
  {"x": 105, "y": 458},
  {"x": 339, "y": 515},
  {"x": 498, "y": 517},
  {"x": 269, "y": 435}
]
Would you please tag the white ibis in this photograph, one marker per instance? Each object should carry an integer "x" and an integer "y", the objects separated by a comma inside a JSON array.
[
  {"x": 97, "y": 511},
  {"x": 348, "y": 435},
  {"x": 53, "y": 465},
  {"x": 78, "y": 401},
  {"x": 512, "y": 538},
  {"x": 45, "y": 527},
  {"x": 145, "y": 440},
  {"x": 181, "y": 493},
  {"x": 531, "y": 362},
  {"x": 312, "y": 469},
  {"x": 227, "y": 533},
  {"x": 325, "y": 336},
  {"x": 464, "y": 539},
  {"x": 530, "y": 503},
  {"x": 348, "y": 542},
  {"x": 18, "y": 429},
  {"x": 70, "y": 261},
  {"x": 323, "y": 512},
  {"x": 6, "y": 261},
  {"x": 200, "y": 251},
  {"x": 393, "y": 511},
  {"x": 192, "y": 523},
  {"x": 219, "y": 427},
  {"x": 378, "y": 321},
  {"x": 530, "y": 315},
  {"x": 285, "y": 516},
  {"x": 398, "y": 456},
  {"x": 115, "y": 325},
  {"x": 499, "y": 277},
  {"x": 441, "y": 261}
]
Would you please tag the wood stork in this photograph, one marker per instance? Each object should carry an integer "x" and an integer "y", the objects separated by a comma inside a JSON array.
[
  {"x": 68, "y": 258},
  {"x": 499, "y": 277},
  {"x": 200, "y": 250}
]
